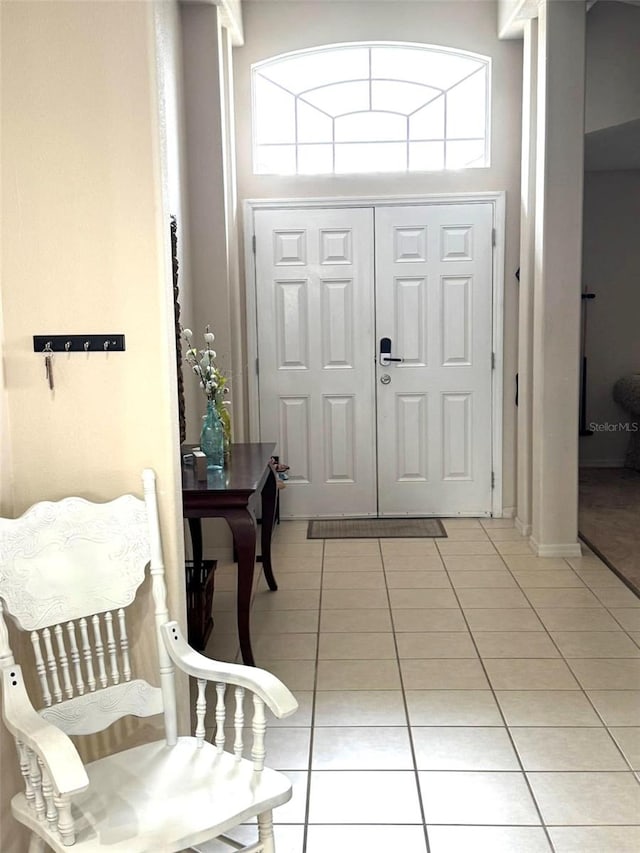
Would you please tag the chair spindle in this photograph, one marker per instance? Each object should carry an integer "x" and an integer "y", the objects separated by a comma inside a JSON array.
[
  {"x": 64, "y": 661},
  {"x": 75, "y": 657},
  {"x": 238, "y": 721},
  {"x": 88, "y": 656},
  {"x": 97, "y": 637},
  {"x": 124, "y": 646},
  {"x": 66, "y": 826},
  {"x": 220, "y": 717},
  {"x": 111, "y": 648},
  {"x": 201, "y": 710},
  {"x": 36, "y": 784},
  {"x": 259, "y": 727},
  {"x": 25, "y": 770},
  {"x": 47, "y": 791},
  {"x": 41, "y": 668}
]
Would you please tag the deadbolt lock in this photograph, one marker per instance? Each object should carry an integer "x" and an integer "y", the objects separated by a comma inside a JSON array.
[{"x": 385, "y": 379}]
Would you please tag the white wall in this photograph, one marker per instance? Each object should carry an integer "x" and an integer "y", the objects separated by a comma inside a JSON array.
[
  {"x": 611, "y": 270},
  {"x": 272, "y": 27},
  {"x": 613, "y": 65},
  {"x": 85, "y": 239}
]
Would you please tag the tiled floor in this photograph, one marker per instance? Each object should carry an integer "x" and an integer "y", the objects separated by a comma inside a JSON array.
[{"x": 455, "y": 695}]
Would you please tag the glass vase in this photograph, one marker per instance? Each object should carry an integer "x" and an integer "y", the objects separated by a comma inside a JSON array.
[
  {"x": 225, "y": 420},
  {"x": 212, "y": 438}
]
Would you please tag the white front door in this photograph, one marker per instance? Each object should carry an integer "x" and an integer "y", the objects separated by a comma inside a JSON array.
[
  {"x": 434, "y": 303},
  {"x": 361, "y": 438},
  {"x": 314, "y": 305}
]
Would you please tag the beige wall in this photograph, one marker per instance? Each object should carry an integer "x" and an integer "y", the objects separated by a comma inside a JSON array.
[
  {"x": 613, "y": 65},
  {"x": 611, "y": 264},
  {"x": 272, "y": 27},
  {"x": 85, "y": 249}
]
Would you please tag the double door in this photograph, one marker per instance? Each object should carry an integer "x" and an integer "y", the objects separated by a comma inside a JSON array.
[{"x": 374, "y": 328}]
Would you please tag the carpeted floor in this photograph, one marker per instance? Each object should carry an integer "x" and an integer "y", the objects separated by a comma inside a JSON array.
[{"x": 609, "y": 519}]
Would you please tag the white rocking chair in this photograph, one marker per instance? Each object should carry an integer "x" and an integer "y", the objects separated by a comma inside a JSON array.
[{"x": 68, "y": 570}]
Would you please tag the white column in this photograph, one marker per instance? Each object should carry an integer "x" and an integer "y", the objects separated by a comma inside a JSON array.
[
  {"x": 527, "y": 253},
  {"x": 557, "y": 276}
]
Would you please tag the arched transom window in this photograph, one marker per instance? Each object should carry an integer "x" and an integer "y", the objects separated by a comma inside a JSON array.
[{"x": 381, "y": 107}]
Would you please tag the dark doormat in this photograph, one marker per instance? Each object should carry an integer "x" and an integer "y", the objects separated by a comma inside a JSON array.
[{"x": 375, "y": 528}]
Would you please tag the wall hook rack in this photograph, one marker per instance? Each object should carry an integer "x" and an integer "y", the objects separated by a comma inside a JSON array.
[{"x": 79, "y": 343}]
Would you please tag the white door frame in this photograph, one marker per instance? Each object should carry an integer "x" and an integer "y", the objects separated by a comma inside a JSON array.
[{"x": 496, "y": 199}]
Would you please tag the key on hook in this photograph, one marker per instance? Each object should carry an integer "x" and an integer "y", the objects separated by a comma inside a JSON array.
[{"x": 48, "y": 364}]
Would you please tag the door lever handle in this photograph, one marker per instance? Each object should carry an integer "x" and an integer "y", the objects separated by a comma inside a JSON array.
[{"x": 385, "y": 352}]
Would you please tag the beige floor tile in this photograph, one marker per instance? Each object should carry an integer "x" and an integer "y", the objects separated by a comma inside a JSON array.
[
  {"x": 567, "y": 748},
  {"x": 433, "y": 619},
  {"x": 402, "y": 599},
  {"x": 358, "y": 675},
  {"x": 354, "y": 599},
  {"x": 282, "y": 564},
  {"x": 294, "y": 811},
  {"x": 374, "y": 838},
  {"x": 577, "y": 619},
  {"x": 449, "y": 548},
  {"x": 547, "y": 708},
  {"x": 283, "y": 622},
  {"x": 514, "y": 547},
  {"x": 595, "y": 839},
  {"x": 363, "y": 796},
  {"x": 587, "y": 561},
  {"x": 418, "y": 580},
  {"x": 356, "y": 646},
  {"x": 408, "y": 547},
  {"x": 225, "y": 622},
  {"x": 573, "y": 799},
  {"x": 296, "y": 674},
  {"x": 617, "y": 596},
  {"x": 435, "y": 644},
  {"x": 496, "y": 598},
  {"x": 359, "y": 708},
  {"x": 351, "y": 548},
  {"x": 461, "y": 524},
  {"x": 439, "y": 674},
  {"x": 490, "y": 563},
  {"x": 300, "y": 719},
  {"x": 353, "y": 580},
  {"x": 309, "y": 548},
  {"x": 362, "y": 748},
  {"x": 515, "y": 644},
  {"x": 595, "y": 644},
  {"x": 370, "y": 563},
  {"x": 506, "y": 619},
  {"x": 465, "y": 534},
  {"x": 488, "y": 839},
  {"x": 347, "y": 621},
  {"x": 523, "y": 562},
  {"x": 224, "y": 600},
  {"x": 496, "y": 523},
  {"x": 529, "y": 674},
  {"x": 617, "y": 707},
  {"x": 294, "y": 580},
  {"x": 562, "y": 598},
  {"x": 481, "y": 798},
  {"x": 452, "y": 708},
  {"x": 287, "y": 748},
  {"x": 413, "y": 563},
  {"x": 286, "y": 599},
  {"x": 599, "y": 578},
  {"x": 506, "y": 534},
  {"x": 607, "y": 673},
  {"x": 500, "y": 579},
  {"x": 223, "y": 646},
  {"x": 532, "y": 578},
  {"x": 628, "y": 739},
  {"x": 268, "y": 647},
  {"x": 463, "y": 748},
  {"x": 628, "y": 617}
]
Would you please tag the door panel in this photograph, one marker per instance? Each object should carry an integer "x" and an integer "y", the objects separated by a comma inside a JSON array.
[
  {"x": 314, "y": 273},
  {"x": 434, "y": 300}
]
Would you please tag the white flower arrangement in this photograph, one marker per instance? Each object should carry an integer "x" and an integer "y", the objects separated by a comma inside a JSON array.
[{"x": 212, "y": 381}]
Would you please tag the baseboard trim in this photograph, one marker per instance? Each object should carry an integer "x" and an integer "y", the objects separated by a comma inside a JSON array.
[
  {"x": 508, "y": 512},
  {"x": 522, "y": 528},
  {"x": 561, "y": 549}
]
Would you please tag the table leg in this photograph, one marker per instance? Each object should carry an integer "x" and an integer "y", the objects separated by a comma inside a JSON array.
[
  {"x": 243, "y": 528},
  {"x": 195, "y": 529},
  {"x": 269, "y": 501}
]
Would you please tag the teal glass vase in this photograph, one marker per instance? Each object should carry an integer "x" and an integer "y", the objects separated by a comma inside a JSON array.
[{"x": 212, "y": 438}]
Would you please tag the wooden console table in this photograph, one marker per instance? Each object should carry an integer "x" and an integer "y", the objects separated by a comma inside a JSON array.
[{"x": 231, "y": 494}]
